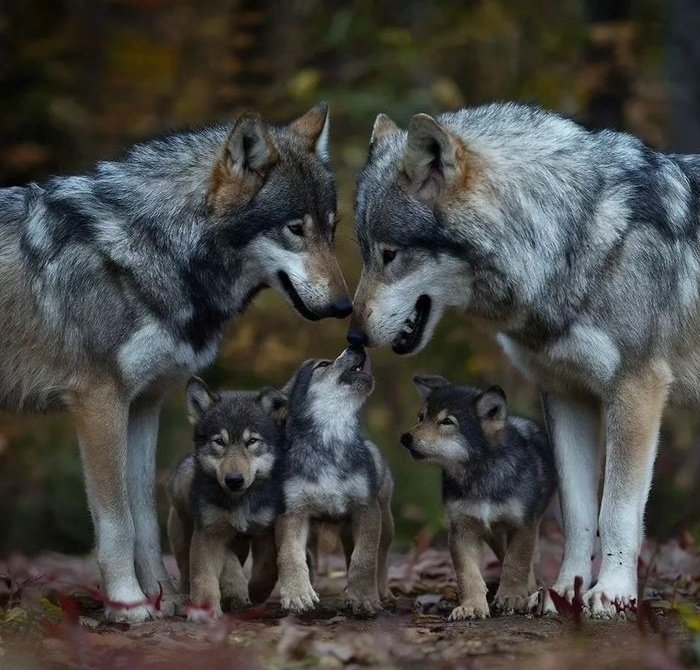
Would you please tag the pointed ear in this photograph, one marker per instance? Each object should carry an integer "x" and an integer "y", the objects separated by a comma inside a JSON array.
[
  {"x": 249, "y": 147},
  {"x": 492, "y": 410},
  {"x": 383, "y": 128},
  {"x": 273, "y": 402},
  {"x": 199, "y": 399},
  {"x": 313, "y": 128},
  {"x": 425, "y": 384},
  {"x": 431, "y": 159}
]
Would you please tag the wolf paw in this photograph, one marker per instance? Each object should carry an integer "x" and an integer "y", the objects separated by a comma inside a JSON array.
[
  {"x": 299, "y": 600},
  {"x": 471, "y": 610},
  {"x": 511, "y": 603},
  {"x": 541, "y": 601},
  {"x": 610, "y": 601},
  {"x": 135, "y": 614},
  {"x": 234, "y": 600},
  {"x": 199, "y": 614},
  {"x": 387, "y": 597},
  {"x": 362, "y": 604}
]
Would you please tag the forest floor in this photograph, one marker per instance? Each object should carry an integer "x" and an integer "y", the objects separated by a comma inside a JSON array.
[{"x": 49, "y": 618}]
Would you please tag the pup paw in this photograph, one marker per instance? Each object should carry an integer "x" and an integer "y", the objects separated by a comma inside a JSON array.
[
  {"x": 233, "y": 600},
  {"x": 203, "y": 614},
  {"x": 541, "y": 601},
  {"x": 477, "y": 609},
  {"x": 511, "y": 602},
  {"x": 134, "y": 614},
  {"x": 387, "y": 597},
  {"x": 298, "y": 599},
  {"x": 611, "y": 600}
]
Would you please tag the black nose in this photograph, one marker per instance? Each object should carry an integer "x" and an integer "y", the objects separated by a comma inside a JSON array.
[
  {"x": 341, "y": 308},
  {"x": 357, "y": 337},
  {"x": 407, "y": 439},
  {"x": 234, "y": 482}
]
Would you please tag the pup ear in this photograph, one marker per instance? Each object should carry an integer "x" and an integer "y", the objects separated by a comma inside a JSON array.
[
  {"x": 313, "y": 127},
  {"x": 383, "y": 128},
  {"x": 425, "y": 384},
  {"x": 249, "y": 147},
  {"x": 431, "y": 158},
  {"x": 273, "y": 402},
  {"x": 199, "y": 399},
  {"x": 492, "y": 410}
]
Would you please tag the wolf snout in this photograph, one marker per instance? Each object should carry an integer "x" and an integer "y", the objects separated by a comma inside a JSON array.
[
  {"x": 341, "y": 308},
  {"x": 407, "y": 440},
  {"x": 357, "y": 337},
  {"x": 235, "y": 481}
]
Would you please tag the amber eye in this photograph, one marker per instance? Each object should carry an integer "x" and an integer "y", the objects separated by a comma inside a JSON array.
[
  {"x": 296, "y": 229},
  {"x": 322, "y": 364},
  {"x": 388, "y": 255},
  {"x": 449, "y": 421},
  {"x": 420, "y": 417}
]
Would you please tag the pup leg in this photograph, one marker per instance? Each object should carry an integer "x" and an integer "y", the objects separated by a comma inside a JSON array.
[
  {"x": 465, "y": 548},
  {"x": 385, "y": 540},
  {"x": 574, "y": 430},
  {"x": 291, "y": 535},
  {"x": 633, "y": 417},
  {"x": 141, "y": 477},
  {"x": 101, "y": 420},
  {"x": 207, "y": 557},
  {"x": 264, "y": 576},
  {"x": 362, "y": 594},
  {"x": 234, "y": 585},
  {"x": 517, "y": 576},
  {"x": 180, "y": 535}
]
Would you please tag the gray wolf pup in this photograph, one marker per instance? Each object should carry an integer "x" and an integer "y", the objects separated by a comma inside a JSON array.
[
  {"x": 115, "y": 287},
  {"x": 226, "y": 495},
  {"x": 581, "y": 249},
  {"x": 332, "y": 473},
  {"x": 498, "y": 477}
]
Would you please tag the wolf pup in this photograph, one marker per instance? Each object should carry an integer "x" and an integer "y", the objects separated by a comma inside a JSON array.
[
  {"x": 497, "y": 479},
  {"x": 226, "y": 495},
  {"x": 116, "y": 287},
  {"x": 332, "y": 473},
  {"x": 580, "y": 251}
]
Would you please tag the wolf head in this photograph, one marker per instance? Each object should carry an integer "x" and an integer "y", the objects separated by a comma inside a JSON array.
[
  {"x": 272, "y": 194},
  {"x": 237, "y": 434},
  {"x": 327, "y": 395},
  {"x": 456, "y": 423}
]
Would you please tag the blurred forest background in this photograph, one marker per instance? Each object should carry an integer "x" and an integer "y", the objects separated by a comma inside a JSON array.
[{"x": 82, "y": 79}]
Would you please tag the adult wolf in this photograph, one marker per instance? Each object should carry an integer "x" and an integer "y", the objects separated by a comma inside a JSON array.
[
  {"x": 116, "y": 285},
  {"x": 581, "y": 250}
]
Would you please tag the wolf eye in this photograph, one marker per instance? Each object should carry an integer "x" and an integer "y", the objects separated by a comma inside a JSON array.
[
  {"x": 420, "y": 417},
  {"x": 388, "y": 255},
  {"x": 218, "y": 441},
  {"x": 449, "y": 421},
  {"x": 322, "y": 364},
  {"x": 251, "y": 441},
  {"x": 296, "y": 229}
]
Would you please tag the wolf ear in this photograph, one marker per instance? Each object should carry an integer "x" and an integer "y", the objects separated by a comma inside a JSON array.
[
  {"x": 273, "y": 402},
  {"x": 313, "y": 128},
  {"x": 199, "y": 399},
  {"x": 425, "y": 384},
  {"x": 249, "y": 147},
  {"x": 431, "y": 159},
  {"x": 383, "y": 128},
  {"x": 492, "y": 410}
]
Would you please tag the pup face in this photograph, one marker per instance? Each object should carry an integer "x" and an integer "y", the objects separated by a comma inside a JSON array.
[
  {"x": 273, "y": 195},
  {"x": 413, "y": 265},
  {"x": 456, "y": 423},
  {"x": 331, "y": 392},
  {"x": 237, "y": 434}
]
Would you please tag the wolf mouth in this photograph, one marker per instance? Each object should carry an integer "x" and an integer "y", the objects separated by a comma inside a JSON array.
[
  {"x": 295, "y": 297},
  {"x": 411, "y": 333}
]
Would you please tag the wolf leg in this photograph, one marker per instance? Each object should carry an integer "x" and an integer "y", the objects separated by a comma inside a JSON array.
[
  {"x": 362, "y": 594},
  {"x": 465, "y": 549},
  {"x": 574, "y": 430},
  {"x": 207, "y": 558},
  {"x": 632, "y": 421},
  {"x": 385, "y": 540},
  {"x": 101, "y": 418},
  {"x": 234, "y": 585},
  {"x": 517, "y": 575},
  {"x": 264, "y": 575},
  {"x": 141, "y": 477},
  {"x": 180, "y": 535},
  {"x": 291, "y": 535}
]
